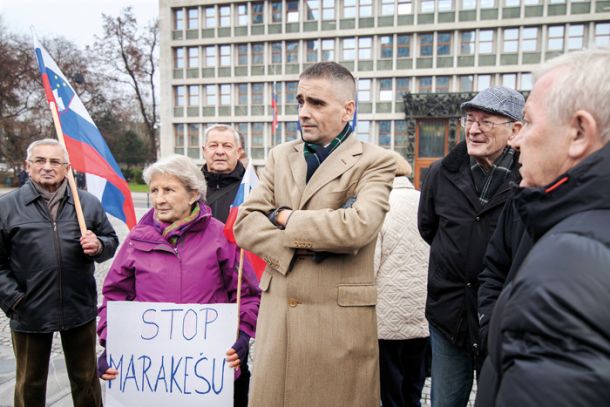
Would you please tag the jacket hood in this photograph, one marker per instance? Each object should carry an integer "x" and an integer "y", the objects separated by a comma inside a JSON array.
[
  {"x": 584, "y": 187},
  {"x": 216, "y": 180}
]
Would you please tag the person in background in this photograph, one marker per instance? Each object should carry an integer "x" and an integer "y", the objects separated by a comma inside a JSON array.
[
  {"x": 46, "y": 276},
  {"x": 462, "y": 197},
  {"x": 401, "y": 267},
  {"x": 205, "y": 269},
  {"x": 549, "y": 334}
]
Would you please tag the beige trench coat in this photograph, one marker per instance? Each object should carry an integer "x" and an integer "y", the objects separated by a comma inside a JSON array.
[{"x": 316, "y": 337}]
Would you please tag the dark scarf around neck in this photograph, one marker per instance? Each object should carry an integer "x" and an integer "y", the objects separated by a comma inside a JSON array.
[{"x": 316, "y": 154}]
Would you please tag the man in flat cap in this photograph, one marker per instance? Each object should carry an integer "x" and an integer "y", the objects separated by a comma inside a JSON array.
[{"x": 462, "y": 197}]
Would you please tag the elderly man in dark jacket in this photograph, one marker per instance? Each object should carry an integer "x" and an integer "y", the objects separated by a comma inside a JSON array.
[
  {"x": 46, "y": 276},
  {"x": 461, "y": 200},
  {"x": 549, "y": 335},
  {"x": 223, "y": 170}
]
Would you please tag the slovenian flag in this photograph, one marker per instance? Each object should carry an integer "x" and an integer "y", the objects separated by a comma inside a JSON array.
[
  {"x": 248, "y": 182},
  {"x": 86, "y": 147}
]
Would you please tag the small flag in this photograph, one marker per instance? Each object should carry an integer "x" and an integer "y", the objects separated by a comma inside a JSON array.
[
  {"x": 248, "y": 182},
  {"x": 86, "y": 147},
  {"x": 274, "y": 122}
]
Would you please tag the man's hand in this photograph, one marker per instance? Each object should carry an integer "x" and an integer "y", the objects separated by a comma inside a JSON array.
[{"x": 91, "y": 244}]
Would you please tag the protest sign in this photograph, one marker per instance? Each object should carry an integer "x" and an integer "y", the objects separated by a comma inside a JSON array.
[{"x": 170, "y": 354}]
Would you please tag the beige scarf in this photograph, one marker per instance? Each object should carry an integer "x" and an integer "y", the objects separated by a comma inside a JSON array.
[{"x": 52, "y": 199}]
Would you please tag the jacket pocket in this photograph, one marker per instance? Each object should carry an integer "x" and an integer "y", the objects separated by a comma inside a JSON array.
[
  {"x": 265, "y": 281},
  {"x": 356, "y": 295}
]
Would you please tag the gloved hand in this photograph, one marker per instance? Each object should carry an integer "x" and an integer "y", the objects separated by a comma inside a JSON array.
[{"x": 104, "y": 371}]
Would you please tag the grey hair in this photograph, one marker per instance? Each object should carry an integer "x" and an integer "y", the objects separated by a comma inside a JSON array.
[
  {"x": 180, "y": 167},
  {"x": 223, "y": 127},
  {"x": 583, "y": 83},
  {"x": 46, "y": 142}
]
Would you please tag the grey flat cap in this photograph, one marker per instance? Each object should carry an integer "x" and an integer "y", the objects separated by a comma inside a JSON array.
[{"x": 498, "y": 100}]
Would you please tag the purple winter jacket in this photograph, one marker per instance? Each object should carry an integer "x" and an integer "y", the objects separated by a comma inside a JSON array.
[{"x": 201, "y": 269}]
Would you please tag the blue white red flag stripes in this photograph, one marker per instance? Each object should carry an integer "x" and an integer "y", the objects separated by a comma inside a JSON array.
[
  {"x": 274, "y": 121},
  {"x": 86, "y": 147},
  {"x": 248, "y": 182}
]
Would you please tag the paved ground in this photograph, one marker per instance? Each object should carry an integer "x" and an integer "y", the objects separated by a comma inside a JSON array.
[{"x": 58, "y": 387}]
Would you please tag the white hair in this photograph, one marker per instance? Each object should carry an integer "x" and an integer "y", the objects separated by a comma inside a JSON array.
[
  {"x": 223, "y": 127},
  {"x": 46, "y": 142},
  {"x": 180, "y": 167},
  {"x": 583, "y": 83}
]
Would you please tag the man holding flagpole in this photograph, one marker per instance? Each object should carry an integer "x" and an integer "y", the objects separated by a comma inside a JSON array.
[
  {"x": 46, "y": 275},
  {"x": 314, "y": 219}
]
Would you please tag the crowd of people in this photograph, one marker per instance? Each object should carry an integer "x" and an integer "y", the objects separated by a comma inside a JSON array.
[{"x": 498, "y": 271}]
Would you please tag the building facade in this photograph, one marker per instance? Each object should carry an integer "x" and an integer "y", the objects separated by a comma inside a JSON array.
[{"x": 414, "y": 61}]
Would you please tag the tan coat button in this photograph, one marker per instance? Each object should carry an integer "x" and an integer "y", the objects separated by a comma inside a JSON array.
[{"x": 292, "y": 302}]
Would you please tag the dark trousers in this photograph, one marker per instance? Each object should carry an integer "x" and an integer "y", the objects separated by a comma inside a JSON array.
[
  {"x": 241, "y": 386},
  {"x": 403, "y": 371},
  {"x": 32, "y": 354}
]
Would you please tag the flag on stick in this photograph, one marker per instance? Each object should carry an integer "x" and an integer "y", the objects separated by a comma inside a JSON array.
[
  {"x": 274, "y": 122},
  {"x": 248, "y": 182},
  {"x": 86, "y": 147}
]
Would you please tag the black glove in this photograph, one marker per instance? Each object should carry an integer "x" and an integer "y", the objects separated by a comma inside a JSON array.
[
  {"x": 102, "y": 364},
  {"x": 241, "y": 346}
]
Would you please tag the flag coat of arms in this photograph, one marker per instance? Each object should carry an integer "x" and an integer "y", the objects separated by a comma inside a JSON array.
[
  {"x": 86, "y": 147},
  {"x": 248, "y": 182}
]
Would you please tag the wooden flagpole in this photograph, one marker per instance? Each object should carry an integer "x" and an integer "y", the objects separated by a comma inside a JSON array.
[
  {"x": 240, "y": 273},
  {"x": 70, "y": 176}
]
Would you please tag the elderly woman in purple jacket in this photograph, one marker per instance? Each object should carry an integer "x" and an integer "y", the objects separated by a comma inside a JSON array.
[{"x": 178, "y": 253}]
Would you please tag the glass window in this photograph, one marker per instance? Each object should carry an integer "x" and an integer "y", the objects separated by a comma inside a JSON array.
[
  {"x": 403, "y": 48},
  {"x": 291, "y": 93},
  {"x": 602, "y": 34},
  {"x": 466, "y": 83},
  {"x": 257, "y": 12},
  {"x": 311, "y": 50},
  {"x": 401, "y": 137},
  {"x": 486, "y": 41},
  {"x": 292, "y": 51},
  {"x": 225, "y": 55},
  {"x": 426, "y": 45},
  {"x": 385, "y": 90},
  {"x": 193, "y": 16},
  {"x": 384, "y": 133},
  {"x": 179, "y": 94},
  {"x": 210, "y": 95},
  {"x": 328, "y": 50},
  {"x": 194, "y": 95},
  {"x": 363, "y": 131},
  {"x": 443, "y": 83},
  {"x": 257, "y": 94},
  {"x": 488, "y": 3},
  {"x": 193, "y": 135},
  {"x": 178, "y": 58},
  {"x": 467, "y": 43},
  {"x": 349, "y": 8},
  {"x": 483, "y": 82},
  {"x": 242, "y": 94},
  {"x": 555, "y": 38},
  {"x": 531, "y": 2},
  {"x": 365, "y": 48},
  {"x": 257, "y": 54},
  {"x": 242, "y": 54},
  {"x": 225, "y": 94},
  {"x": 529, "y": 40},
  {"x": 403, "y": 85},
  {"x": 511, "y": 40},
  {"x": 366, "y": 8},
  {"x": 242, "y": 128},
  {"x": 193, "y": 57},
  {"x": 509, "y": 80},
  {"x": 328, "y": 9},
  {"x": 276, "y": 52},
  {"x": 242, "y": 14},
  {"x": 469, "y": 4},
  {"x": 526, "y": 81},
  {"x": 312, "y": 10},
  {"x": 431, "y": 140},
  {"x": 179, "y": 135},
  {"x": 210, "y": 56},
  {"x": 276, "y": 135},
  {"x": 349, "y": 49},
  {"x": 276, "y": 11},
  {"x": 445, "y": 5},
  {"x": 387, "y": 7},
  {"x": 424, "y": 84},
  {"x": 364, "y": 90},
  {"x": 576, "y": 35},
  {"x": 386, "y": 46},
  {"x": 291, "y": 130},
  {"x": 512, "y": 3},
  {"x": 427, "y": 6},
  {"x": 225, "y": 16},
  {"x": 178, "y": 19},
  {"x": 405, "y": 7},
  {"x": 443, "y": 47},
  {"x": 258, "y": 141},
  {"x": 292, "y": 11},
  {"x": 210, "y": 17}
]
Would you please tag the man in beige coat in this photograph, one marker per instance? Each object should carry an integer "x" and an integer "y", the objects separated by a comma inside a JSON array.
[{"x": 314, "y": 219}]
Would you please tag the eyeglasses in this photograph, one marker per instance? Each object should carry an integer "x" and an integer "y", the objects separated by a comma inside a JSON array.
[
  {"x": 40, "y": 162},
  {"x": 484, "y": 125}
]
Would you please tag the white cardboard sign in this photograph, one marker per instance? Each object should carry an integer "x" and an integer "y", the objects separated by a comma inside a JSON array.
[{"x": 170, "y": 354}]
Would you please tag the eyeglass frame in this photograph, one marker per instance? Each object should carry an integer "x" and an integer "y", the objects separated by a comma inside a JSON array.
[
  {"x": 41, "y": 162},
  {"x": 464, "y": 123}
]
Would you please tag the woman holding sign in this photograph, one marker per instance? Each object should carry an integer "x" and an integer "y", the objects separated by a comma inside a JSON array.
[{"x": 178, "y": 253}]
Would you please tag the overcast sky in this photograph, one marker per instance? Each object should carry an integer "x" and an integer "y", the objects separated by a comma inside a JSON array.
[{"x": 76, "y": 20}]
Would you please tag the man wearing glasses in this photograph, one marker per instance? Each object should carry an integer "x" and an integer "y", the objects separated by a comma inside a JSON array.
[
  {"x": 461, "y": 200},
  {"x": 46, "y": 276}
]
